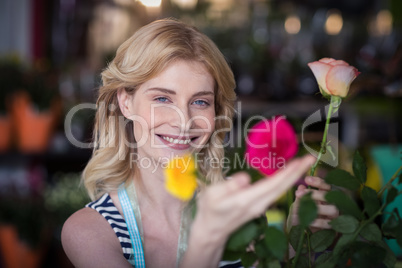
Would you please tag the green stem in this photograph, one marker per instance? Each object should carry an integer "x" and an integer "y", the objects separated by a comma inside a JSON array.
[
  {"x": 371, "y": 219},
  {"x": 309, "y": 250},
  {"x": 364, "y": 223},
  {"x": 299, "y": 248},
  {"x": 334, "y": 99},
  {"x": 380, "y": 210},
  {"x": 324, "y": 138},
  {"x": 381, "y": 192}
]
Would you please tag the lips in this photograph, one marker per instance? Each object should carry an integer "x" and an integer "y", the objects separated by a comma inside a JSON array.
[{"x": 177, "y": 142}]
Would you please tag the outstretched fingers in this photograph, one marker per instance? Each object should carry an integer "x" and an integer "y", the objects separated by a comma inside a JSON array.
[
  {"x": 277, "y": 185},
  {"x": 234, "y": 183},
  {"x": 263, "y": 193}
]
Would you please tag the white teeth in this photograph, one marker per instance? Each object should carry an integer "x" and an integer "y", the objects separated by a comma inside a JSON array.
[{"x": 176, "y": 141}]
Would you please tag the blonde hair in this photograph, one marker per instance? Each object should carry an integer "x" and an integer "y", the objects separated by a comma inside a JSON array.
[{"x": 143, "y": 56}]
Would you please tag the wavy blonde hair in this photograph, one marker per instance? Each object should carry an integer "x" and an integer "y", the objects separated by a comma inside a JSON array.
[{"x": 143, "y": 56}]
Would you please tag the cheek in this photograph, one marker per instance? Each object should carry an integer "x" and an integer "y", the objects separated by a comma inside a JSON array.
[
  {"x": 206, "y": 122},
  {"x": 139, "y": 131},
  {"x": 141, "y": 124}
]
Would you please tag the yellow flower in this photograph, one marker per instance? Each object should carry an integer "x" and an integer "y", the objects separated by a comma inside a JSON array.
[{"x": 181, "y": 177}]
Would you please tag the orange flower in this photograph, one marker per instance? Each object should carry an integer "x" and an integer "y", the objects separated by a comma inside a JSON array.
[{"x": 181, "y": 177}]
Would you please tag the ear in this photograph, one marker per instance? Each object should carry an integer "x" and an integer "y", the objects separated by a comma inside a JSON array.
[{"x": 124, "y": 100}]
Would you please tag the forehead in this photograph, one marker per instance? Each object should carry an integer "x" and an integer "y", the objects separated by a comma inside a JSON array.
[{"x": 180, "y": 75}]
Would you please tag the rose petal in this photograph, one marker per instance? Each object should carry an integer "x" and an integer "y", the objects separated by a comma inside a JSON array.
[
  {"x": 268, "y": 150},
  {"x": 339, "y": 62},
  {"x": 320, "y": 71},
  {"x": 339, "y": 79},
  {"x": 327, "y": 60}
]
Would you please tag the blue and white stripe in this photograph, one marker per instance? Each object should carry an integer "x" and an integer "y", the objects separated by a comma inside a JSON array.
[{"x": 108, "y": 210}]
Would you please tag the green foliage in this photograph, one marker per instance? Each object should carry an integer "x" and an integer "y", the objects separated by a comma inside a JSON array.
[
  {"x": 343, "y": 179},
  {"x": 370, "y": 201},
  {"x": 390, "y": 259},
  {"x": 355, "y": 239},
  {"x": 322, "y": 239},
  {"x": 360, "y": 239},
  {"x": 359, "y": 167},
  {"x": 11, "y": 79},
  {"x": 391, "y": 194},
  {"x": 42, "y": 87},
  {"x": 261, "y": 249},
  {"x": 295, "y": 235},
  {"x": 241, "y": 238},
  {"x": 392, "y": 227},
  {"x": 40, "y": 83},
  {"x": 270, "y": 244},
  {"x": 362, "y": 254},
  {"x": 276, "y": 242},
  {"x": 248, "y": 259},
  {"x": 371, "y": 232},
  {"x": 342, "y": 243},
  {"x": 269, "y": 264},
  {"x": 303, "y": 262},
  {"x": 344, "y": 203},
  {"x": 344, "y": 224},
  {"x": 307, "y": 210},
  {"x": 322, "y": 260},
  {"x": 65, "y": 196},
  {"x": 27, "y": 215},
  {"x": 392, "y": 224}
]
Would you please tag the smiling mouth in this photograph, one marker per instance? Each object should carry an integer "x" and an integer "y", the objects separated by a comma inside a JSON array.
[{"x": 177, "y": 141}]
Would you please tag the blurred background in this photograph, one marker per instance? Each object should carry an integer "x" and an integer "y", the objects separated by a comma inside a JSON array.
[{"x": 52, "y": 53}]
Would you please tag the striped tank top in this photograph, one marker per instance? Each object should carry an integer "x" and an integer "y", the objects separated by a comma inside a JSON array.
[{"x": 108, "y": 210}]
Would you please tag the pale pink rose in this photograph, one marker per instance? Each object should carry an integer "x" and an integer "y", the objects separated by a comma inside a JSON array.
[{"x": 333, "y": 76}]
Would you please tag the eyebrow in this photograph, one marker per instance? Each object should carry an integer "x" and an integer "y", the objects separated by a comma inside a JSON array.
[{"x": 172, "y": 92}]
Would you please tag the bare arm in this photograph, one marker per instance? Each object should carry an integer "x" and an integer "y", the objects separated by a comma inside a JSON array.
[
  {"x": 224, "y": 207},
  {"x": 89, "y": 241}
]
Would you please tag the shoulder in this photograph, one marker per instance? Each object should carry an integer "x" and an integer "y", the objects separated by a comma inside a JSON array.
[
  {"x": 89, "y": 241},
  {"x": 84, "y": 222}
]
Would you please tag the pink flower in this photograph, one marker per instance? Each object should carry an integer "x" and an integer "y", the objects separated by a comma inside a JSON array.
[
  {"x": 269, "y": 144},
  {"x": 333, "y": 76}
]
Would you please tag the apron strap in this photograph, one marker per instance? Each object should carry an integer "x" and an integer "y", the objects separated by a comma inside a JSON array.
[{"x": 139, "y": 260}]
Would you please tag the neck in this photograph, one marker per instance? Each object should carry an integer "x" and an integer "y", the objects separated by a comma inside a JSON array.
[{"x": 152, "y": 195}]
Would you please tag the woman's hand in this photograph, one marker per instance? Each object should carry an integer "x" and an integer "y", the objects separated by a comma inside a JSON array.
[
  {"x": 224, "y": 207},
  {"x": 326, "y": 212}
]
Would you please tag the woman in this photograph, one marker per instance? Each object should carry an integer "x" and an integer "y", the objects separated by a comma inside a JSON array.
[{"x": 168, "y": 92}]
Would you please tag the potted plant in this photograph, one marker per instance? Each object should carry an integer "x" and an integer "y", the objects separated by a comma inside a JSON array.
[
  {"x": 64, "y": 197},
  {"x": 35, "y": 110},
  {"x": 22, "y": 231},
  {"x": 10, "y": 81}
]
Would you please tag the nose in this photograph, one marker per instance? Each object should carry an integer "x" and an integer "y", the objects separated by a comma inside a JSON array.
[{"x": 181, "y": 118}]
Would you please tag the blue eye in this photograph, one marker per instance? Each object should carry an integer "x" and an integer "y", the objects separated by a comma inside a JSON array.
[
  {"x": 201, "y": 103},
  {"x": 162, "y": 99}
]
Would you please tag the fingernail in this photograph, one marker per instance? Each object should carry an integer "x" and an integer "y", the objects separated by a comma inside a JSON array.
[{"x": 299, "y": 193}]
